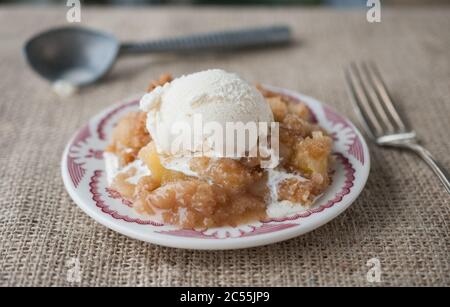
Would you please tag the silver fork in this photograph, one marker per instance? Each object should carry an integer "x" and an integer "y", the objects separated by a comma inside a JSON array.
[{"x": 379, "y": 117}]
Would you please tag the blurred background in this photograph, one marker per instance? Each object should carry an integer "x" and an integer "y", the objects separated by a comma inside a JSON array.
[{"x": 338, "y": 3}]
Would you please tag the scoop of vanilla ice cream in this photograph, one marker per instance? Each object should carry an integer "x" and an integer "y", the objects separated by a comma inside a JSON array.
[{"x": 216, "y": 95}]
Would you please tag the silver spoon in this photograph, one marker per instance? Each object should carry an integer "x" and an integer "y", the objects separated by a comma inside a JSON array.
[{"x": 81, "y": 56}]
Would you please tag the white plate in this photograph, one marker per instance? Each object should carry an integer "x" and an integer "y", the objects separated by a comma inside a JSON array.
[{"x": 84, "y": 176}]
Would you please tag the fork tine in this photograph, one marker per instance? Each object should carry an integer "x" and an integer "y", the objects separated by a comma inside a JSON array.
[
  {"x": 374, "y": 98},
  {"x": 365, "y": 111},
  {"x": 384, "y": 95}
]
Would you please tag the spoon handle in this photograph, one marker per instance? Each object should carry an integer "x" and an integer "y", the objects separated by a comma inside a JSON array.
[{"x": 226, "y": 40}]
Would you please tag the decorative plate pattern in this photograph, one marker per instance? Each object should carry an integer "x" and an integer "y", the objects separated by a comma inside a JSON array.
[{"x": 83, "y": 173}]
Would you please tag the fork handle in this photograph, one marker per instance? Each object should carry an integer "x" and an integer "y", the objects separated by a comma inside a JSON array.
[{"x": 437, "y": 168}]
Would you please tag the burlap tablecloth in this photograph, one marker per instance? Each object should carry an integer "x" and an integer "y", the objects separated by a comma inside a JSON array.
[{"x": 401, "y": 218}]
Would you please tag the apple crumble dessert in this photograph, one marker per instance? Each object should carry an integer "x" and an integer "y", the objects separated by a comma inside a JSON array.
[{"x": 209, "y": 191}]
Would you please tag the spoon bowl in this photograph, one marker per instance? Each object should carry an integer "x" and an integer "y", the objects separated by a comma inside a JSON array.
[{"x": 76, "y": 55}]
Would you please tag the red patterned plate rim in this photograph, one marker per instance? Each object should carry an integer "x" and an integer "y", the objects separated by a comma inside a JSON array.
[{"x": 83, "y": 175}]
